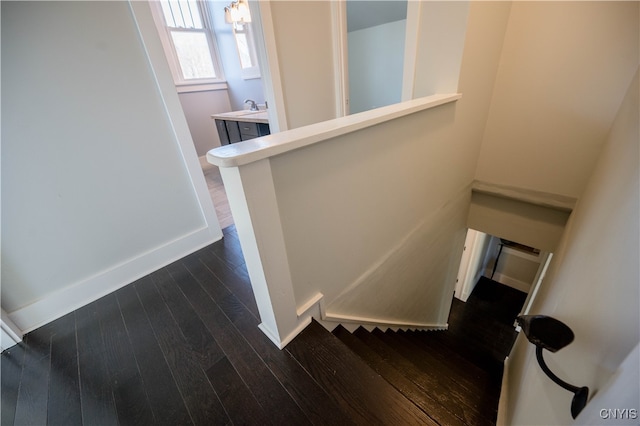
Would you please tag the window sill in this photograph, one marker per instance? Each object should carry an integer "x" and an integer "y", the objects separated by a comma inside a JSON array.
[
  {"x": 200, "y": 87},
  {"x": 250, "y": 73},
  {"x": 251, "y": 77}
]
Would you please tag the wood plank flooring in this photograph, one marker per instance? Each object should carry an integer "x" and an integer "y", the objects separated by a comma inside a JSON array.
[
  {"x": 182, "y": 346},
  {"x": 218, "y": 193}
]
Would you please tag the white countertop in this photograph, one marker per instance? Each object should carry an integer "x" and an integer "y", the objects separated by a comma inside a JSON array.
[{"x": 244, "y": 115}]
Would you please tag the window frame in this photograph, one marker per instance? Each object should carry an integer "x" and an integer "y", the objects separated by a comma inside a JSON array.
[
  {"x": 164, "y": 30},
  {"x": 253, "y": 71}
]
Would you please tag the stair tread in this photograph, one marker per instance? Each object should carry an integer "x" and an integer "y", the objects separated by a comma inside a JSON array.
[
  {"x": 446, "y": 360},
  {"x": 496, "y": 301},
  {"x": 357, "y": 388},
  {"x": 496, "y": 337},
  {"x": 470, "y": 326},
  {"x": 472, "y": 352},
  {"x": 474, "y": 394},
  {"x": 430, "y": 383},
  {"x": 425, "y": 340},
  {"x": 472, "y": 411},
  {"x": 423, "y": 400}
]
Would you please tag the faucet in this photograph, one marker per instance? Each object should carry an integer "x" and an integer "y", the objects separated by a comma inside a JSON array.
[{"x": 253, "y": 107}]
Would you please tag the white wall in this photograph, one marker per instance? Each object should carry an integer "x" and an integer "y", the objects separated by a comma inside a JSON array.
[
  {"x": 562, "y": 75},
  {"x": 480, "y": 53},
  {"x": 527, "y": 223},
  {"x": 305, "y": 58},
  {"x": 515, "y": 268},
  {"x": 619, "y": 394},
  {"x": 376, "y": 59},
  {"x": 198, "y": 108},
  {"x": 438, "y": 40},
  {"x": 96, "y": 184},
  {"x": 592, "y": 286}
]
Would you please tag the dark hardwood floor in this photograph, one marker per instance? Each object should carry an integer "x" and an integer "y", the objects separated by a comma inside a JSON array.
[{"x": 181, "y": 346}]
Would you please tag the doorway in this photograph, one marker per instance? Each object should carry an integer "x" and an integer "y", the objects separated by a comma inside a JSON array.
[
  {"x": 489, "y": 258},
  {"x": 497, "y": 281},
  {"x": 376, "y": 33}
]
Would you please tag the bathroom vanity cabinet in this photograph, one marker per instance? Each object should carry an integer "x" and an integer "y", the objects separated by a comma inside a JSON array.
[{"x": 239, "y": 126}]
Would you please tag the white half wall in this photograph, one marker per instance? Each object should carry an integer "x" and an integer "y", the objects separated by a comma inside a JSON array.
[
  {"x": 346, "y": 204},
  {"x": 100, "y": 180},
  {"x": 592, "y": 286}
]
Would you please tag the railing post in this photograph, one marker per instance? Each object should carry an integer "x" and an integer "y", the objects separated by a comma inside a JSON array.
[{"x": 253, "y": 203}]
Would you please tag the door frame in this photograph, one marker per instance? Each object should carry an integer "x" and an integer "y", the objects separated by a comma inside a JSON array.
[
  {"x": 467, "y": 277},
  {"x": 341, "y": 53},
  {"x": 537, "y": 281},
  {"x": 340, "y": 56},
  {"x": 267, "y": 52}
]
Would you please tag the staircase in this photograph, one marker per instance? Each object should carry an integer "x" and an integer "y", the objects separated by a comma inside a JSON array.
[{"x": 450, "y": 377}]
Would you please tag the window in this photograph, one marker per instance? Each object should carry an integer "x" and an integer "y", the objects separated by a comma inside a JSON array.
[
  {"x": 188, "y": 40},
  {"x": 246, "y": 51}
]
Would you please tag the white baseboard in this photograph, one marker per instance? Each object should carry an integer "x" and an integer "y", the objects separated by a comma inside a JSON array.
[
  {"x": 68, "y": 299},
  {"x": 10, "y": 334},
  {"x": 281, "y": 343},
  {"x": 7, "y": 339},
  {"x": 508, "y": 281}
]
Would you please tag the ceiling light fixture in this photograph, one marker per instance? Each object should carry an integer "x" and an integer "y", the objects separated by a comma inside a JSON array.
[{"x": 237, "y": 13}]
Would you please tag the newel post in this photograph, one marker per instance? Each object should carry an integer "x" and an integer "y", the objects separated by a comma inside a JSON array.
[{"x": 252, "y": 198}]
